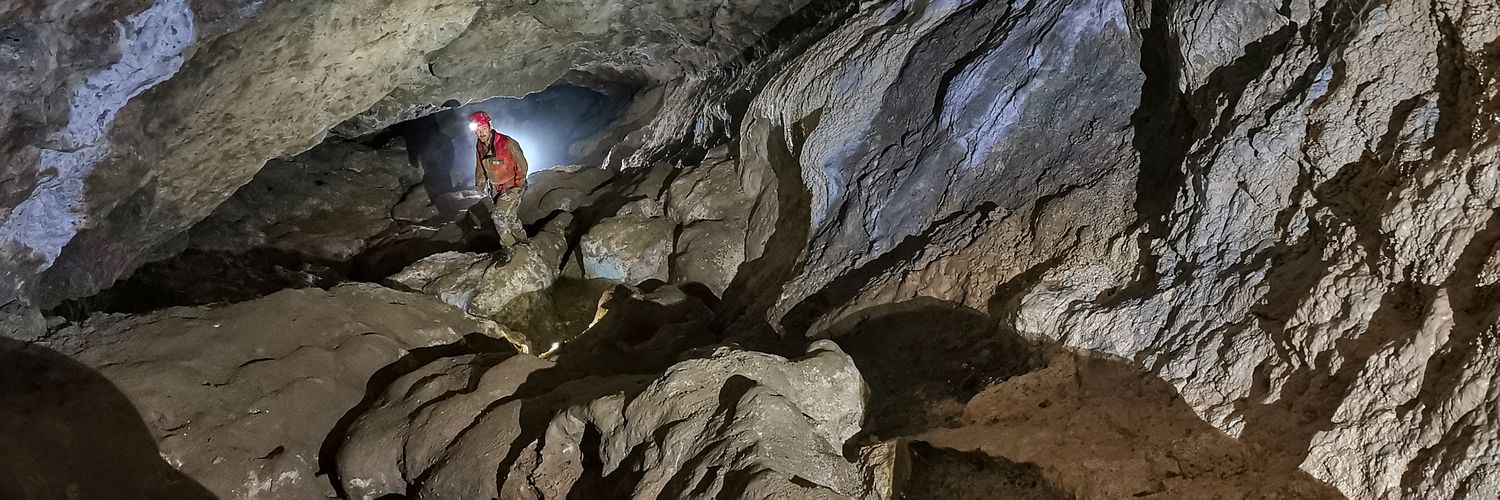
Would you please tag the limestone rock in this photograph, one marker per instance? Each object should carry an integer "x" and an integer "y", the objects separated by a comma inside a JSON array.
[
  {"x": 241, "y": 397},
  {"x": 452, "y": 277},
  {"x": 565, "y": 189},
  {"x": 406, "y": 434},
  {"x": 886, "y": 466},
  {"x": 713, "y": 191},
  {"x": 21, "y": 321},
  {"x": 326, "y": 203},
  {"x": 710, "y": 252},
  {"x": 197, "y": 101},
  {"x": 731, "y": 423},
  {"x": 1282, "y": 210},
  {"x": 628, "y": 249},
  {"x": 513, "y": 291}
]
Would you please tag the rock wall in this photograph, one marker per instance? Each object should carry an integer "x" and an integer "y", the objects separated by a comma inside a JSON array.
[
  {"x": 329, "y": 203},
  {"x": 1284, "y": 210},
  {"x": 159, "y": 122}
]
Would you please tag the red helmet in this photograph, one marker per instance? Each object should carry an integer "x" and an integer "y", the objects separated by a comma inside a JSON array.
[{"x": 480, "y": 118}]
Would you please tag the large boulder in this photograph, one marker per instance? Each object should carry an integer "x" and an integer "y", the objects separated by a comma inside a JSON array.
[
  {"x": 728, "y": 424},
  {"x": 719, "y": 189},
  {"x": 628, "y": 249},
  {"x": 710, "y": 252},
  {"x": 241, "y": 397},
  {"x": 512, "y": 288}
]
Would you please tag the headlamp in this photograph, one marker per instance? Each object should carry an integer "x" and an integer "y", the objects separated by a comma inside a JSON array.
[{"x": 473, "y": 126}]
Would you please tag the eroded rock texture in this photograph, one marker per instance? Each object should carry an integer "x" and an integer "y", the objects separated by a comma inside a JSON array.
[
  {"x": 1284, "y": 211},
  {"x": 732, "y": 424}
]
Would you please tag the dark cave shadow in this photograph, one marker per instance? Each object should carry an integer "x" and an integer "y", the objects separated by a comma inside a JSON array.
[
  {"x": 917, "y": 354},
  {"x": 68, "y": 432},
  {"x": 199, "y": 277},
  {"x": 948, "y": 474},
  {"x": 1079, "y": 412}
]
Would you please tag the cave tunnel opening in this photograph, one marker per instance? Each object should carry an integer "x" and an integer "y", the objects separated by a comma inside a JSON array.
[
  {"x": 565, "y": 124},
  {"x": 336, "y": 181}
]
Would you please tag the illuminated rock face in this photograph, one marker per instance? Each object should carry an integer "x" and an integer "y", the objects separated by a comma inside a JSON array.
[
  {"x": 1284, "y": 210},
  {"x": 165, "y": 117},
  {"x": 1287, "y": 211}
]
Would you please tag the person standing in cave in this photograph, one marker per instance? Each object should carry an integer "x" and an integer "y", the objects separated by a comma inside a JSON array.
[
  {"x": 499, "y": 164},
  {"x": 499, "y": 173}
]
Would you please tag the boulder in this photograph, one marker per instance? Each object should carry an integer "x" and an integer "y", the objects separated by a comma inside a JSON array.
[
  {"x": 241, "y": 397},
  {"x": 452, "y": 277},
  {"x": 709, "y": 252},
  {"x": 728, "y": 424},
  {"x": 21, "y": 321},
  {"x": 712, "y": 191},
  {"x": 628, "y": 249},
  {"x": 514, "y": 291}
]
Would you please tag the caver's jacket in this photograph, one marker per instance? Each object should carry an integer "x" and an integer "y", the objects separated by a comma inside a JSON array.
[{"x": 499, "y": 164}]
